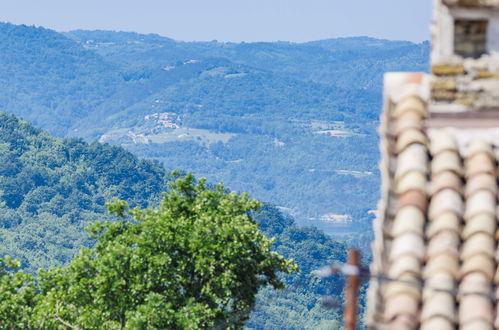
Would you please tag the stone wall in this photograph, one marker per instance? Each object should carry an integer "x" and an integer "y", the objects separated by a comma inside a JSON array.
[{"x": 465, "y": 56}]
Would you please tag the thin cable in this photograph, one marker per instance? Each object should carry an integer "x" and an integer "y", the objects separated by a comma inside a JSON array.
[{"x": 345, "y": 269}]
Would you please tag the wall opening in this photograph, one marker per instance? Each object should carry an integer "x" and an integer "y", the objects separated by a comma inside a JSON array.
[{"x": 470, "y": 37}]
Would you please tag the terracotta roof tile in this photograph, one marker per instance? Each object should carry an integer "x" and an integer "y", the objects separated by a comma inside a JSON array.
[
  {"x": 480, "y": 202},
  {"x": 408, "y": 137},
  {"x": 447, "y": 221},
  {"x": 445, "y": 241},
  {"x": 410, "y": 104},
  {"x": 412, "y": 181},
  {"x": 446, "y": 179},
  {"x": 407, "y": 264},
  {"x": 414, "y": 198},
  {"x": 478, "y": 146},
  {"x": 397, "y": 288},
  {"x": 482, "y": 263},
  {"x": 409, "y": 120},
  {"x": 443, "y": 142},
  {"x": 402, "y": 304},
  {"x": 446, "y": 161},
  {"x": 409, "y": 219},
  {"x": 438, "y": 282},
  {"x": 414, "y": 158},
  {"x": 485, "y": 223},
  {"x": 474, "y": 308},
  {"x": 477, "y": 325},
  {"x": 477, "y": 244},
  {"x": 438, "y": 222},
  {"x": 437, "y": 323},
  {"x": 485, "y": 181},
  {"x": 479, "y": 163},
  {"x": 446, "y": 263},
  {"x": 475, "y": 283},
  {"x": 402, "y": 322},
  {"x": 407, "y": 244},
  {"x": 444, "y": 201},
  {"x": 441, "y": 304}
]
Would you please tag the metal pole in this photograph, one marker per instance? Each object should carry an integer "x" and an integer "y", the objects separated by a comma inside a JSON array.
[{"x": 352, "y": 289}]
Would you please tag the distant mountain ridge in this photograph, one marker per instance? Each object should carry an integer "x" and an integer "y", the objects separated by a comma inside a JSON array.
[{"x": 286, "y": 122}]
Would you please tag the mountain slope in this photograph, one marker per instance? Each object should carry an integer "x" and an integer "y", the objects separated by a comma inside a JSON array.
[
  {"x": 50, "y": 79},
  {"x": 51, "y": 188}
]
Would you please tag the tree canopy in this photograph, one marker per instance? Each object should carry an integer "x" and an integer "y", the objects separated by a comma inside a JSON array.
[{"x": 196, "y": 261}]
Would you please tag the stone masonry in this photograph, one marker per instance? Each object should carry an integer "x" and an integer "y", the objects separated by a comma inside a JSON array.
[{"x": 465, "y": 56}]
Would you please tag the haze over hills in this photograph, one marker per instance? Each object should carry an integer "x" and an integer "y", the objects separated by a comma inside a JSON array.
[{"x": 292, "y": 124}]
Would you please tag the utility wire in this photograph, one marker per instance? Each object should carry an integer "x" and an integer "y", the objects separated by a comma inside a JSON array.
[{"x": 364, "y": 273}]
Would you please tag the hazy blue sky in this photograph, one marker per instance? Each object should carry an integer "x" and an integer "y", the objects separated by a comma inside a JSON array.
[{"x": 231, "y": 20}]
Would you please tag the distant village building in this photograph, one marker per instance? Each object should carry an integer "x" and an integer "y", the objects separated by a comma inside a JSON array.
[{"x": 435, "y": 254}]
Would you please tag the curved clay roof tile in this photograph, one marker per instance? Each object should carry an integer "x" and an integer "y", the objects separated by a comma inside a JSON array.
[
  {"x": 411, "y": 181},
  {"x": 479, "y": 163},
  {"x": 482, "y": 181},
  {"x": 481, "y": 263},
  {"x": 477, "y": 325},
  {"x": 483, "y": 222},
  {"x": 408, "y": 219},
  {"x": 402, "y": 322},
  {"x": 407, "y": 243},
  {"x": 413, "y": 158},
  {"x": 480, "y": 146},
  {"x": 410, "y": 136},
  {"x": 480, "y": 202},
  {"x": 402, "y": 304},
  {"x": 496, "y": 275},
  {"x": 446, "y": 200},
  {"x": 475, "y": 308},
  {"x": 441, "y": 142},
  {"x": 405, "y": 265},
  {"x": 396, "y": 288},
  {"x": 446, "y": 221},
  {"x": 446, "y": 179},
  {"x": 446, "y": 263},
  {"x": 415, "y": 198},
  {"x": 437, "y": 323},
  {"x": 477, "y": 244},
  {"x": 475, "y": 283},
  {"x": 444, "y": 242},
  {"x": 446, "y": 161},
  {"x": 410, "y": 104},
  {"x": 496, "y": 323},
  {"x": 436, "y": 283},
  {"x": 441, "y": 304},
  {"x": 406, "y": 122}
]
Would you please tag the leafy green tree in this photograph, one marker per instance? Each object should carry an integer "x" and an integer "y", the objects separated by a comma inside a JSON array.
[
  {"x": 17, "y": 296},
  {"x": 196, "y": 261}
]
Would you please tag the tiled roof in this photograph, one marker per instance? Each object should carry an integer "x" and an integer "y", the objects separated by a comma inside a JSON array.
[
  {"x": 436, "y": 233},
  {"x": 472, "y": 3}
]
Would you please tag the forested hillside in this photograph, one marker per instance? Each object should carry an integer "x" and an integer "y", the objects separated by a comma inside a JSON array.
[
  {"x": 51, "y": 188},
  {"x": 50, "y": 80},
  {"x": 293, "y": 124}
]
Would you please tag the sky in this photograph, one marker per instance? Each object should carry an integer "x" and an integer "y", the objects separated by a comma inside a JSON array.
[{"x": 231, "y": 20}]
